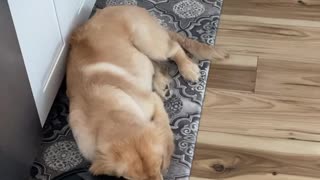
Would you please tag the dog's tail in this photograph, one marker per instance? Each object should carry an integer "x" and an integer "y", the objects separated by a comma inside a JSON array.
[{"x": 200, "y": 51}]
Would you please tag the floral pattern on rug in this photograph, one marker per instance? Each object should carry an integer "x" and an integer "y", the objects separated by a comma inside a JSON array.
[{"x": 198, "y": 19}]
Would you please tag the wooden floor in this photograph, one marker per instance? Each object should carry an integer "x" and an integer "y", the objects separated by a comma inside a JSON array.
[{"x": 261, "y": 118}]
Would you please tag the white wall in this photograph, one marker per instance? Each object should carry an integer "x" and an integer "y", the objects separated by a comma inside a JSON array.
[{"x": 43, "y": 28}]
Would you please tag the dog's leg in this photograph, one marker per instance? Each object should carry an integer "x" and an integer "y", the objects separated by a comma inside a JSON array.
[
  {"x": 155, "y": 42},
  {"x": 161, "y": 80},
  {"x": 168, "y": 49},
  {"x": 161, "y": 119},
  {"x": 189, "y": 70}
]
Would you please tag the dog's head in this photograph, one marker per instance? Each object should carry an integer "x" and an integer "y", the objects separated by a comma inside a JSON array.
[{"x": 144, "y": 156}]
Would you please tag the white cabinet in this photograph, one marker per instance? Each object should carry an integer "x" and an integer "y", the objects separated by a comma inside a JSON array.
[{"x": 43, "y": 28}]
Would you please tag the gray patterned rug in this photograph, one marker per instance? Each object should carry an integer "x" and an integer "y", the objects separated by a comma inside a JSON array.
[{"x": 59, "y": 157}]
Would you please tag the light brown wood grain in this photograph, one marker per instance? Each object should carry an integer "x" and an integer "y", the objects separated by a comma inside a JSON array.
[
  {"x": 309, "y": 3},
  {"x": 287, "y": 9},
  {"x": 219, "y": 156},
  {"x": 237, "y": 62},
  {"x": 243, "y": 80},
  {"x": 266, "y": 39},
  {"x": 237, "y": 73},
  {"x": 261, "y": 115},
  {"x": 283, "y": 147},
  {"x": 263, "y": 124},
  {"x": 261, "y": 177},
  {"x": 287, "y": 78},
  {"x": 272, "y": 21}
]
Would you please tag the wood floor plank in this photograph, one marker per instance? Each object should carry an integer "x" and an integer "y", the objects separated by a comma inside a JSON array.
[
  {"x": 265, "y": 39},
  {"x": 222, "y": 155},
  {"x": 263, "y": 124},
  {"x": 273, "y": 21},
  {"x": 261, "y": 177},
  {"x": 243, "y": 80},
  {"x": 288, "y": 9},
  {"x": 236, "y": 73},
  {"x": 261, "y": 115},
  {"x": 237, "y": 62},
  {"x": 286, "y": 78},
  {"x": 309, "y": 2}
]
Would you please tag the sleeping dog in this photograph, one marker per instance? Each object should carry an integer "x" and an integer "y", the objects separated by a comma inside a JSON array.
[{"x": 116, "y": 111}]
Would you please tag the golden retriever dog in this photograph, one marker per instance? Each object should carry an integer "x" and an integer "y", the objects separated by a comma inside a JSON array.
[{"x": 119, "y": 122}]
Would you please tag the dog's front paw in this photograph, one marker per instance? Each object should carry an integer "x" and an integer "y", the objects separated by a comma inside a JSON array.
[{"x": 190, "y": 72}]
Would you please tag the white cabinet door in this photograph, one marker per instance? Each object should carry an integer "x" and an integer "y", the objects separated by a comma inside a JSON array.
[{"x": 43, "y": 28}]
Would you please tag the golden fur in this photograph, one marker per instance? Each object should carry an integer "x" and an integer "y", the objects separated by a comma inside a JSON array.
[{"x": 119, "y": 123}]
